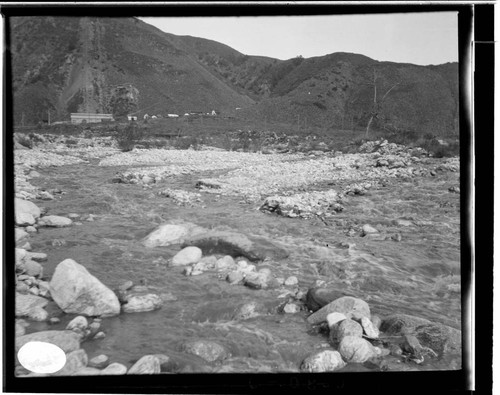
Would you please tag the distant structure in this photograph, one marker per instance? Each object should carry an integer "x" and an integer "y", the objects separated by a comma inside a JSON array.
[
  {"x": 132, "y": 117},
  {"x": 87, "y": 117},
  {"x": 173, "y": 115}
]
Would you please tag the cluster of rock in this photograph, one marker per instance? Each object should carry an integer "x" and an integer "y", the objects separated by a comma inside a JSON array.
[
  {"x": 180, "y": 197},
  {"x": 357, "y": 336},
  {"x": 28, "y": 219},
  {"x": 304, "y": 205},
  {"x": 44, "y": 158},
  {"x": 25, "y": 190},
  {"x": 383, "y": 147}
]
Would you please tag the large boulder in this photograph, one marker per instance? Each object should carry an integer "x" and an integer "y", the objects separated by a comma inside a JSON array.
[
  {"x": 27, "y": 207},
  {"x": 68, "y": 341},
  {"x": 54, "y": 221},
  {"x": 318, "y": 297},
  {"x": 174, "y": 232},
  {"x": 76, "y": 291},
  {"x": 347, "y": 305},
  {"x": 441, "y": 338},
  {"x": 323, "y": 361},
  {"x": 31, "y": 306},
  {"x": 236, "y": 245},
  {"x": 401, "y": 324}
]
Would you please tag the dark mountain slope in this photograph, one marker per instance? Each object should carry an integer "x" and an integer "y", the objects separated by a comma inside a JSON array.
[{"x": 73, "y": 64}]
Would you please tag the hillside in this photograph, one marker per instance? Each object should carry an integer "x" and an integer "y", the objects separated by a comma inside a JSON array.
[{"x": 73, "y": 64}]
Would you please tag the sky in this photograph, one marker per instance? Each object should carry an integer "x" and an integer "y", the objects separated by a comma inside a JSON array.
[{"x": 418, "y": 38}]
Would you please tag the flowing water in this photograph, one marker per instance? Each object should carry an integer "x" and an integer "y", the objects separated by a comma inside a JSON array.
[{"x": 419, "y": 275}]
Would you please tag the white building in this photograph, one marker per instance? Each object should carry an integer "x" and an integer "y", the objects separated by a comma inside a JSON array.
[{"x": 86, "y": 117}]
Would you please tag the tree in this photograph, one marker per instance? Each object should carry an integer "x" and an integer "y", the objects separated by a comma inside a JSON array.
[
  {"x": 123, "y": 101},
  {"x": 377, "y": 104}
]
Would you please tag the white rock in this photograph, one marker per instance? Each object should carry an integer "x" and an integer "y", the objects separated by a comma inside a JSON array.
[
  {"x": 367, "y": 229},
  {"x": 335, "y": 318},
  {"x": 225, "y": 263},
  {"x": 169, "y": 234},
  {"x": 292, "y": 280},
  {"x": 148, "y": 364},
  {"x": 20, "y": 236},
  {"x": 31, "y": 306},
  {"x": 101, "y": 361},
  {"x": 24, "y": 219},
  {"x": 356, "y": 349},
  {"x": 79, "y": 323},
  {"x": 323, "y": 361},
  {"x": 141, "y": 303},
  {"x": 75, "y": 290},
  {"x": 25, "y": 206},
  {"x": 55, "y": 221},
  {"x": 291, "y": 308},
  {"x": 370, "y": 329},
  {"x": 114, "y": 369},
  {"x": 187, "y": 256}
]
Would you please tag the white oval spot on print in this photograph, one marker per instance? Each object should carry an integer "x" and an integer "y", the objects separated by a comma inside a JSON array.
[{"x": 41, "y": 357}]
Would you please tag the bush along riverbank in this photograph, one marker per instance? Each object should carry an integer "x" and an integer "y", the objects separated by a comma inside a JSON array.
[{"x": 329, "y": 303}]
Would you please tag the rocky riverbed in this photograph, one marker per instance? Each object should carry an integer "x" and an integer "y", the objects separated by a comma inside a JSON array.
[{"x": 160, "y": 261}]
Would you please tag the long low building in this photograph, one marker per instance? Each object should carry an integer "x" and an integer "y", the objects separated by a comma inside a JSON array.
[{"x": 87, "y": 117}]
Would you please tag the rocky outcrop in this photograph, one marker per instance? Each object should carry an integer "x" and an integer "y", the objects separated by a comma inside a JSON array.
[{"x": 174, "y": 232}]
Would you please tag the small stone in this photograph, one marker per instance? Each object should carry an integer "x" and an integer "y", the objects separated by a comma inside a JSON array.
[
  {"x": 142, "y": 303},
  {"x": 411, "y": 345},
  {"x": 187, "y": 256},
  {"x": 73, "y": 215},
  {"x": 225, "y": 263},
  {"x": 369, "y": 329},
  {"x": 37, "y": 256},
  {"x": 20, "y": 331},
  {"x": 99, "y": 335},
  {"x": 30, "y": 229},
  {"x": 235, "y": 277},
  {"x": 114, "y": 369},
  {"x": 376, "y": 321},
  {"x": 323, "y": 361},
  {"x": 44, "y": 195},
  {"x": 292, "y": 280},
  {"x": 78, "y": 323},
  {"x": 396, "y": 237},
  {"x": 33, "y": 268},
  {"x": 395, "y": 350},
  {"x": 208, "y": 350},
  {"x": 87, "y": 371},
  {"x": 34, "y": 291},
  {"x": 126, "y": 286},
  {"x": 54, "y": 320},
  {"x": 291, "y": 308},
  {"x": 367, "y": 229},
  {"x": 99, "y": 362}
]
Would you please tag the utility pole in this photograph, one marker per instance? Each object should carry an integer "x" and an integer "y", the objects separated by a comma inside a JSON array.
[{"x": 48, "y": 113}]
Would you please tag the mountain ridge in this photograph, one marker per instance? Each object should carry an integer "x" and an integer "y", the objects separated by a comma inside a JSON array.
[{"x": 71, "y": 64}]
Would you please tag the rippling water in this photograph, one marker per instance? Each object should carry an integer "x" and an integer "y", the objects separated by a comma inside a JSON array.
[{"x": 419, "y": 275}]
